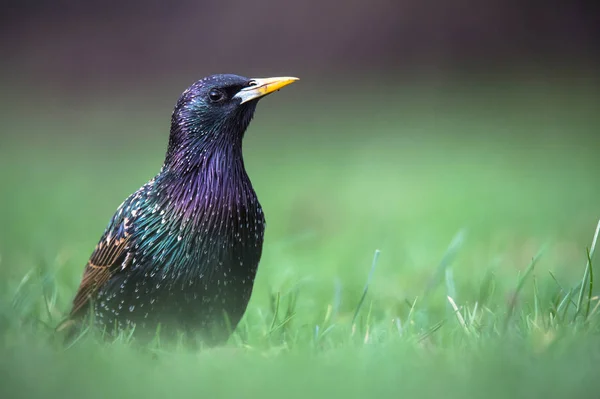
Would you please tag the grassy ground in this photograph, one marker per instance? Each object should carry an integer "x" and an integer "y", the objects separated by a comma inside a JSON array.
[{"x": 459, "y": 187}]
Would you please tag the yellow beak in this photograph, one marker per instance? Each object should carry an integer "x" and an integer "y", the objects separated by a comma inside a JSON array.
[{"x": 262, "y": 87}]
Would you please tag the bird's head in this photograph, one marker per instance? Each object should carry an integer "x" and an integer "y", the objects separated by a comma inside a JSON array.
[{"x": 216, "y": 110}]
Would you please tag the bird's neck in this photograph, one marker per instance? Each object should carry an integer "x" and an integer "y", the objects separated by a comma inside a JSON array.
[
  {"x": 209, "y": 171},
  {"x": 204, "y": 161},
  {"x": 196, "y": 153}
]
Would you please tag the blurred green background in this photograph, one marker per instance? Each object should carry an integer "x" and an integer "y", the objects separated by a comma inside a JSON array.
[{"x": 414, "y": 126}]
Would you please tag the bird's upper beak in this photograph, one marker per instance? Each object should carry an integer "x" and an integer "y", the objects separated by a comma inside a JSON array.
[{"x": 262, "y": 87}]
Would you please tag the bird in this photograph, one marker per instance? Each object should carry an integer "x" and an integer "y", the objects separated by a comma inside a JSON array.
[{"x": 180, "y": 255}]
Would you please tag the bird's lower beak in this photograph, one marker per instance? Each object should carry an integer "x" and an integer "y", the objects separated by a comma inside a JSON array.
[{"x": 262, "y": 87}]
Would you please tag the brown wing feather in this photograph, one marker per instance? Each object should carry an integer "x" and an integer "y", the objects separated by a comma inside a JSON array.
[{"x": 109, "y": 256}]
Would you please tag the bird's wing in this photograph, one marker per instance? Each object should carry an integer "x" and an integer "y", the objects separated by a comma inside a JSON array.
[{"x": 109, "y": 257}]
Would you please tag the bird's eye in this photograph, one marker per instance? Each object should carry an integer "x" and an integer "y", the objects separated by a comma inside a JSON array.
[{"x": 216, "y": 95}]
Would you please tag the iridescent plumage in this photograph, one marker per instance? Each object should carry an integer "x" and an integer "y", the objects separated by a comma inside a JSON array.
[{"x": 183, "y": 250}]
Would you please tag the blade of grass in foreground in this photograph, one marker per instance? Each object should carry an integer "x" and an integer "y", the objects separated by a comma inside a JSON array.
[
  {"x": 587, "y": 272},
  {"x": 366, "y": 289},
  {"x": 515, "y": 296},
  {"x": 446, "y": 261},
  {"x": 591, "y": 285}
]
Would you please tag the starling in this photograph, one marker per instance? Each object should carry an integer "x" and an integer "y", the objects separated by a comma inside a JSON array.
[{"x": 181, "y": 253}]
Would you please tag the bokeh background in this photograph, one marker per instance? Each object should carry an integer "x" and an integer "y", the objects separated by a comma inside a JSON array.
[
  {"x": 416, "y": 125},
  {"x": 412, "y": 120},
  {"x": 123, "y": 45}
]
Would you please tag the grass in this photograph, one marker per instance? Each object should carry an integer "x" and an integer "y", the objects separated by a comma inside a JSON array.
[{"x": 435, "y": 242}]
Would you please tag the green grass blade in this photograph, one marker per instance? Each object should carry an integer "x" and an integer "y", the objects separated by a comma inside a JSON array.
[
  {"x": 520, "y": 284},
  {"x": 591, "y": 284},
  {"x": 366, "y": 289},
  {"x": 446, "y": 261},
  {"x": 586, "y": 273},
  {"x": 275, "y": 306}
]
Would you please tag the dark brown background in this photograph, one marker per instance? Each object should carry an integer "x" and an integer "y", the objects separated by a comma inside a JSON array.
[{"x": 68, "y": 44}]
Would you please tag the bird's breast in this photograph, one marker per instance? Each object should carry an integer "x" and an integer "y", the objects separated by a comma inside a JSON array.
[
  {"x": 200, "y": 231},
  {"x": 188, "y": 266}
]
